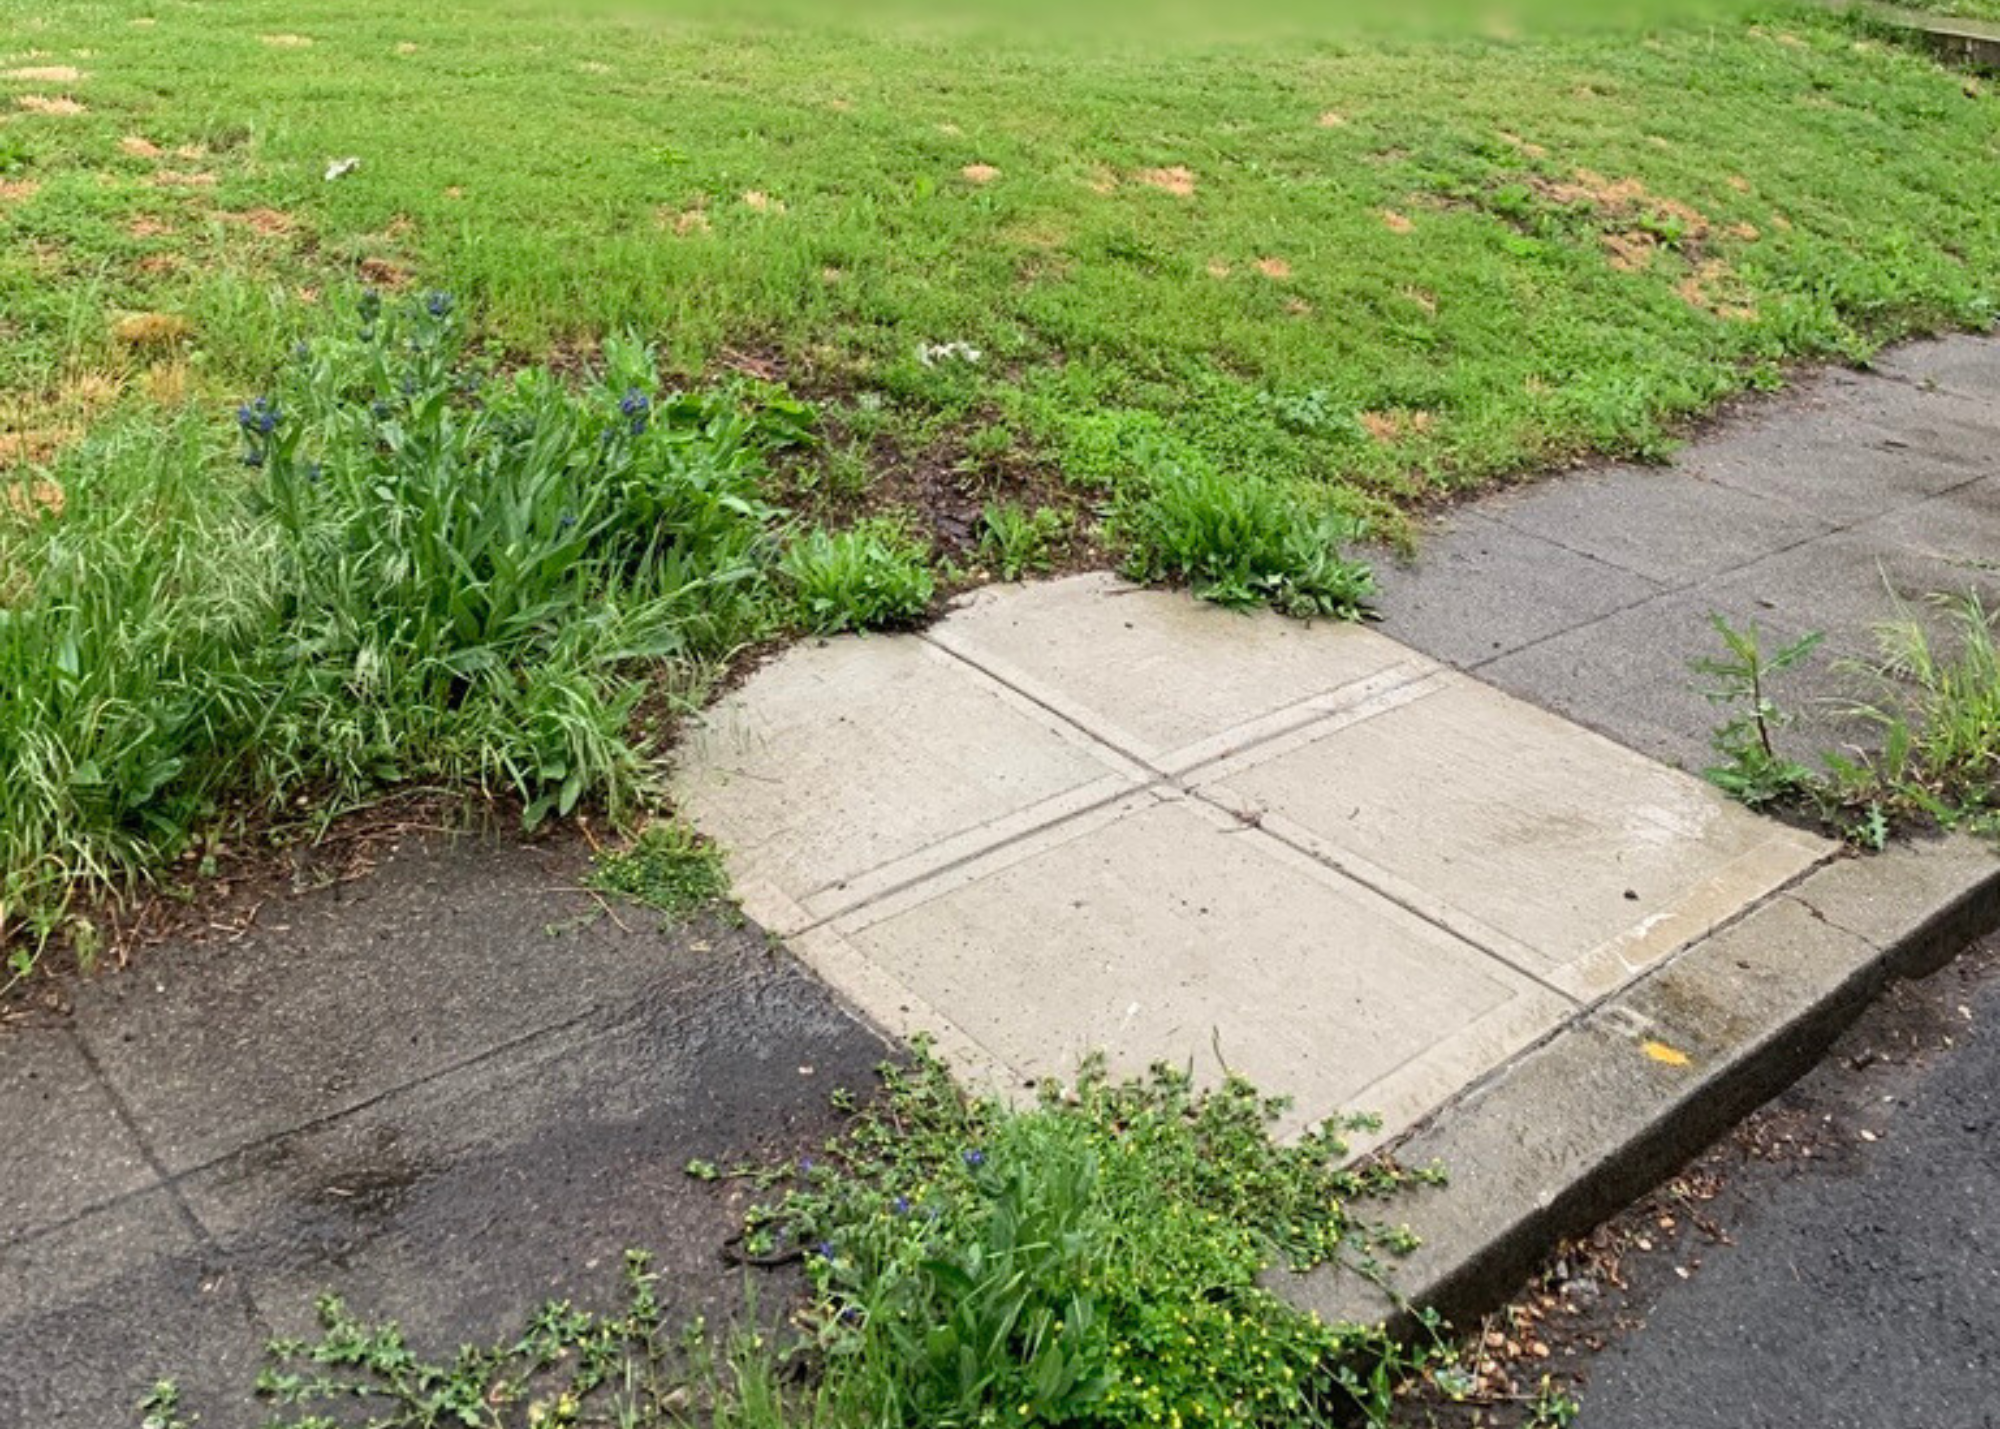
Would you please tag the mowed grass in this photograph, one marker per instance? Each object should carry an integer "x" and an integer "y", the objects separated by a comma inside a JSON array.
[
  {"x": 1196, "y": 305},
  {"x": 1385, "y": 270}
]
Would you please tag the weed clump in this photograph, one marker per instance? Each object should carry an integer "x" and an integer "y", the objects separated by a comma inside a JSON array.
[
  {"x": 872, "y": 574},
  {"x": 1242, "y": 540},
  {"x": 1090, "y": 1261},
  {"x": 668, "y": 867}
]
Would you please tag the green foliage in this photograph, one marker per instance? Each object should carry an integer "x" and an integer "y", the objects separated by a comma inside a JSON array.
[
  {"x": 669, "y": 867},
  {"x": 413, "y": 572},
  {"x": 1752, "y": 769},
  {"x": 1240, "y": 541},
  {"x": 872, "y": 575},
  {"x": 1938, "y": 713},
  {"x": 1089, "y": 1262},
  {"x": 1019, "y": 542}
]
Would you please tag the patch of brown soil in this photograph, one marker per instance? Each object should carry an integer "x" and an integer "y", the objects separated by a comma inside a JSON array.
[
  {"x": 1739, "y": 183},
  {"x": 979, "y": 173},
  {"x": 1713, "y": 288},
  {"x": 760, "y": 202},
  {"x": 1276, "y": 269},
  {"x": 146, "y": 226},
  {"x": 18, "y": 190},
  {"x": 57, "y": 105},
  {"x": 47, "y": 74},
  {"x": 1218, "y": 269},
  {"x": 1533, "y": 151},
  {"x": 1298, "y": 307},
  {"x": 287, "y": 42},
  {"x": 1630, "y": 252},
  {"x": 1397, "y": 222},
  {"x": 1748, "y": 232},
  {"x": 139, "y": 147},
  {"x": 268, "y": 221},
  {"x": 1331, "y": 119},
  {"x": 384, "y": 273},
  {"x": 1103, "y": 181},
  {"x": 1178, "y": 180},
  {"x": 155, "y": 265},
  {"x": 181, "y": 179}
]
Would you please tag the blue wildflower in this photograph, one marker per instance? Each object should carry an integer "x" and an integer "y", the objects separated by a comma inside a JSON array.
[
  {"x": 303, "y": 351},
  {"x": 824, "y": 1250},
  {"x": 438, "y": 304},
  {"x": 805, "y": 1165},
  {"x": 253, "y": 458},
  {"x": 974, "y": 1158},
  {"x": 245, "y": 418},
  {"x": 634, "y": 403},
  {"x": 901, "y": 1205},
  {"x": 639, "y": 425}
]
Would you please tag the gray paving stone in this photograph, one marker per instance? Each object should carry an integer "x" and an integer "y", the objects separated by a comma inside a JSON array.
[
  {"x": 1839, "y": 467},
  {"x": 1479, "y": 589},
  {"x": 1661, "y": 523},
  {"x": 448, "y": 953},
  {"x": 458, "y": 1205},
  {"x": 1960, "y": 363},
  {"x": 63, "y": 1146},
  {"x": 94, "y": 1313}
]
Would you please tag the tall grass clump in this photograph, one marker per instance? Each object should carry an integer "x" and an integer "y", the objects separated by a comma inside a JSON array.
[
  {"x": 1241, "y": 540},
  {"x": 397, "y": 568}
]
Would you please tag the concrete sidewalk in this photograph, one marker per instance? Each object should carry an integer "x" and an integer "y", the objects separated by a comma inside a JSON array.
[
  {"x": 1082, "y": 817},
  {"x": 1070, "y": 817}
]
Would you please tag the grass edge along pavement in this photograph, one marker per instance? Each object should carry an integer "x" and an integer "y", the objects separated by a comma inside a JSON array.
[{"x": 1090, "y": 1260}]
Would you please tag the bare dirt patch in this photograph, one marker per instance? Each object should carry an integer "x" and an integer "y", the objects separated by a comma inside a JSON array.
[
  {"x": 146, "y": 226},
  {"x": 1713, "y": 287},
  {"x": 760, "y": 202},
  {"x": 1331, "y": 119},
  {"x": 157, "y": 265},
  {"x": 33, "y": 447},
  {"x": 1177, "y": 180},
  {"x": 683, "y": 222},
  {"x": 979, "y": 173},
  {"x": 287, "y": 42},
  {"x": 1630, "y": 252},
  {"x": 18, "y": 190},
  {"x": 183, "y": 179},
  {"x": 59, "y": 106},
  {"x": 1276, "y": 269},
  {"x": 1218, "y": 269},
  {"x": 1397, "y": 222},
  {"x": 47, "y": 74},
  {"x": 268, "y": 221},
  {"x": 384, "y": 273},
  {"x": 33, "y": 499},
  {"x": 139, "y": 147}
]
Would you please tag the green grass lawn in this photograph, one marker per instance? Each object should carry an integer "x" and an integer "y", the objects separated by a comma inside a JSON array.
[{"x": 1232, "y": 293}]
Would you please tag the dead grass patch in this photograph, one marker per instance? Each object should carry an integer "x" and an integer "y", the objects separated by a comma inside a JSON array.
[
  {"x": 47, "y": 74},
  {"x": 270, "y": 222},
  {"x": 146, "y": 226},
  {"x": 158, "y": 265},
  {"x": 683, "y": 222},
  {"x": 286, "y": 42},
  {"x": 139, "y": 147},
  {"x": 58, "y": 105},
  {"x": 1629, "y": 252},
  {"x": 760, "y": 202},
  {"x": 1398, "y": 425},
  {"x": 36, "y": 446},
  {"x": 979, "y": 173},
  {"x": 183, "y": 179},
  {"x": 1276, "y": 269},
  {"x": 1177, "y": 180},
  {"x": 18, "y": 190},
  {"x": 1397, "y": 222},
  {"x": 1331, "y": 119},
  {"x": 152, "y": 329},
  {"x": 1713, "y": 287}
]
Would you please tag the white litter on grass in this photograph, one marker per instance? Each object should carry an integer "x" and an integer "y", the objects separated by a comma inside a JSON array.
[
  {"x": 932, "y": 353},
  {"x": 341, "y": 168}
]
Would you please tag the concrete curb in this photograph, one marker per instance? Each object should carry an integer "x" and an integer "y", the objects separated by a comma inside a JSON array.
[
  {"x": 1571, "y": 1130},
  {"x": 1956, "y": 38}
]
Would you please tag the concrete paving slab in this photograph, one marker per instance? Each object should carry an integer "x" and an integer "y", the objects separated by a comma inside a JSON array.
[
  {"x": 1966, "y": 365},
  {"x": 1842, "y": 469},
  {"x": 1479, "y": 589},
  {"x": 459, "y": 1204},
  {"x": 1169, "y": 681},
  {"x": 861, "y": 765},
  {"x": 83, "y": 1153},
  {"x": 1664, "y": 524},
  {"x": 451, "y": 947},
  {"x": 1571, "y": 857},
  {"x": 1169, "y": 931},
  {"x": 94, "y": 1313}
]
